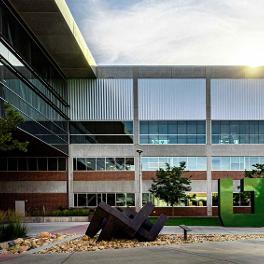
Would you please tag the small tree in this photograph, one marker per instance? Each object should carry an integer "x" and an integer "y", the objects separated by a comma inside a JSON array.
[
  {"x": 170, "y": 185},
  {"x": 9, "y": 121},
  {"x": 257, "y": 172}
]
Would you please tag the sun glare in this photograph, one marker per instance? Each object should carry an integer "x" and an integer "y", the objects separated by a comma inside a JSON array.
[{"x": 250, "y": 55}]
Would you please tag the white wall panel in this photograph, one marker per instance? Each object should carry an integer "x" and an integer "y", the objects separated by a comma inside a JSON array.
[
  {"x": 101, "y": 99},
  {"x": 172, "y": 99},
  {"x": 237, "y": 99}
]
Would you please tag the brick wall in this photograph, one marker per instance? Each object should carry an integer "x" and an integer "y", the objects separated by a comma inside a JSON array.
[
  {"x": 51, "y": 201},
  {"x": 33, "y": 176},
  {"x": 236, "y": 210},
  {"x": 235, "y": 175},
  {"x": 104, "y": 176},
  {"x": 181, "y": 211},
  {"x": 195, "y": 175}
]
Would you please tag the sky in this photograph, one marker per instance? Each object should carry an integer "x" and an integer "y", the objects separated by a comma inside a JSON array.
[{"x": 172, "y": 32}]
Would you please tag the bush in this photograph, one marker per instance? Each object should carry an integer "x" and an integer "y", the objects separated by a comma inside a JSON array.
[
  {"x": 11, "y": 226},
  {"x": 70, "y": 212}
]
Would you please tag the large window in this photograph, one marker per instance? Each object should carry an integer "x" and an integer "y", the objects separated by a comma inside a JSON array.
[
  {"x": 113, "y": 199},
  {"x": 17, "y": 64},
  {"x": 32, "y": 164},
  {"x": 192, "y": 199},
  {"x": 238, "y": 132},
  {"x": 239, "y": 199},
  {"x": 192, "y": 163},
  {"x": 103, "y": 164},
  {"x": 101, "y": 132},
  {"x": 22, "y": 41},
  {"x": 235, "y": 163},
  {"x": 172, "y": 132}
]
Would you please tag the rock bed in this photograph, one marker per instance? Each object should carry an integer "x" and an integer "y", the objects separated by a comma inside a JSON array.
[
  {"x": 21, "y": 245},
  {"x": 89, "y": 244}
]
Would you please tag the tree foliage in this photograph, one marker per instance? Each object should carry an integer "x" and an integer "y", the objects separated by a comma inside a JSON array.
[
  {"x": 257, "y": 172},
  {"x": 9, "y": 122},
  {"x": 170, "y": 185}
]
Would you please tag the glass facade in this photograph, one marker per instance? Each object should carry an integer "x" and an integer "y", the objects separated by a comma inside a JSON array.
[
  {"x": 172, "y": 132},
  {"x": 238, "y": 132},
  {"x": 103, "y": 164},
  {"x": 31, "y": 83},
  {"x": 32, "y": 164},
  {"x": 113, "y": 199},
  {"x": 192, "y": 163},
  {"x": 17, "y": 64},
  {"x": 239, "y": 199},
  {"x": 235, "y": 163},
  {"x": 21, "y": 40},
  {"x": 101, "y": 132},
  {"x": 192, "y": 199}
]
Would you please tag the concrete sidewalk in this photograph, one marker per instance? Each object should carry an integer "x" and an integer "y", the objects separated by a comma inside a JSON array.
[
  {"x": 243, "y": 251},
  {"x": 80, "y": 228}
]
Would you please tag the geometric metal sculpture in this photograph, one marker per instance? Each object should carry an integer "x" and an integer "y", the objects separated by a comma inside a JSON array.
[
  {"x": 225, "y": 207},
  {"x": 124, "y": 223}
]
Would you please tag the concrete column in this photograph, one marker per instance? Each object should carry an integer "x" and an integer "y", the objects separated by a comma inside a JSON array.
[
  {"x": 70, "y": 179},
  {"x": 209, "y": 146},
  {"x": 136, "y": 141}
]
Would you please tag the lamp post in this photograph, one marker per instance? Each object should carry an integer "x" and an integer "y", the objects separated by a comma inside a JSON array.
[{"x": 139, "y": 151}]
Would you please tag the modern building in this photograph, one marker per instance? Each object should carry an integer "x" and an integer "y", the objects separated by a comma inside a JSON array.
[{"x": 85, "y": 122}]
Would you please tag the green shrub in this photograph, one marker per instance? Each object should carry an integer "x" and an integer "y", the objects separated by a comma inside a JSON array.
[
  {"x": 69, "y": 212},
  {"x": 11, "y": 226},
  {"x": 12, "y": 231}
]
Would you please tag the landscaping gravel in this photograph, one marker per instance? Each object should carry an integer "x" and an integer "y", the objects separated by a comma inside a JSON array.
[{"x": 89, "y": 244}]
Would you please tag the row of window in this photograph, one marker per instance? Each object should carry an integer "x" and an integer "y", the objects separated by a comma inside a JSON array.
[
  {"x": 21, "y": 40},
  {"x": 167, "y": 132},
  {"x": 128, "y": 199},
  {"x": 113, "y": 199},
  {"x": 235, "y": 163},
  {"x": 103, "y": 164},
  {"x": 19, "y": 66},
  {"x": 200, "y": 163},
  {"x": 128, "y": 163},
  {"x": 172, "y": 132},
  {"x": 32, "y": 164},
  {"x": 238, "y": 132},
  {"x": 192, "y": 163}
]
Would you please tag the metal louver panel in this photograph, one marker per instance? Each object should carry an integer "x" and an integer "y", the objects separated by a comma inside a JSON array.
[
  {"x": 237, "y": 99},
  {"x": 172, "y": 99},
  {"x": 101, "y": 99}
]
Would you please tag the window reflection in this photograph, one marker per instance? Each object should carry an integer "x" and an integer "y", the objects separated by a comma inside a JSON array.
[
  {"x": 172, "y": 132},
  {"x": 235, "y": 163},
  {"x": 238, "y": 132},
  {"x": 113, "y": 199},
  {"x": 192, "y": 163}
]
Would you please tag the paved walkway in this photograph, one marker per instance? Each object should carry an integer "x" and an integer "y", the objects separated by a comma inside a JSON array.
[
  {"x": 245, "y": 251},
  {"x": 80, "y": 228}
]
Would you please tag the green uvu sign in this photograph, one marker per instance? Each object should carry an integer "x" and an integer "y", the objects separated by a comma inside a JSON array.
[{"x": 228, "y": 217}]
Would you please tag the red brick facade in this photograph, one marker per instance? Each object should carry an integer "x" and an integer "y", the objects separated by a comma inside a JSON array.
[
  {"x": 181, "y": 211},
  {"x": 237, "y": 210},
  {"x": 33, "y": 176},
  {"x": 104, "y": 176},
  {"x": 193, "y": 175},
  {"x": 235, "y": 175},
  {"x": 51, "y": 201},
  {"x": 194, "y": 211}
]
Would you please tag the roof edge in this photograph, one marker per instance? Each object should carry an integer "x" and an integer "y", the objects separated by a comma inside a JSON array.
[{"x": 67, "y": 15}]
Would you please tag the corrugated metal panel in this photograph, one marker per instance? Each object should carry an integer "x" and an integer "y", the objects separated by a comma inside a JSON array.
[
  {"x": 237, "y": 99},
  {"x": 172, "y": 99},
  {"x": 101, "y": 99}
]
